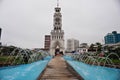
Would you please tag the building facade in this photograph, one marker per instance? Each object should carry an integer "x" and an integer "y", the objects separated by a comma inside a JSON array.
[
  {"x": 83, "y": 48},
  {"x": 112, "y": 38},
  {"x": 0, "y": 32},
  {"x": 47, "y": 42},
  {"x": 0, "y": 36},
  {"x": 72, "y": 45},
  {"x": 57, "y": 34}
]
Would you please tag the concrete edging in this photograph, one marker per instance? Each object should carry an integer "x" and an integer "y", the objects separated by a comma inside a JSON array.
[{"x": 71, "y": 69}]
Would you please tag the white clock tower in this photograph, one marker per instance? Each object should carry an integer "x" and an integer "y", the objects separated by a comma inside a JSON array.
[{"x": 57, "y": 34}]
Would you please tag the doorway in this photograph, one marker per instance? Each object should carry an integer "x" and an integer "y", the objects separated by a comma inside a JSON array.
[{"x": 57, "y": 51}]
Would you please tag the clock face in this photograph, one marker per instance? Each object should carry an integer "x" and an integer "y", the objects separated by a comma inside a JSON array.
[{"x": 57, "y": 19}]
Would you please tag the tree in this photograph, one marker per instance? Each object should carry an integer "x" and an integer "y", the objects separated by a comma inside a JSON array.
[
  {"x": 91, "y": 48},
  {"x": 99, "y": 46},
  {"x": 117, "y": 51},
  {"x": 6, "y": 50}
]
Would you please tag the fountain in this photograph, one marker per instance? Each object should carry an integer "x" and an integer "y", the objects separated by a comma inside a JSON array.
[
  {"x": 93, "y": 67},
  {"x": 96, "y": 59},
  {"x": 20, "y": 63}
]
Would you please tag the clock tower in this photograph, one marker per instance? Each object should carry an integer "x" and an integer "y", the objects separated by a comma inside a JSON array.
[{"x": 57, "y": 34}]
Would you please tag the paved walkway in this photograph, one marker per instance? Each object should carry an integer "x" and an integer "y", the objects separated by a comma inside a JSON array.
[{"x": 57, "y": 70}]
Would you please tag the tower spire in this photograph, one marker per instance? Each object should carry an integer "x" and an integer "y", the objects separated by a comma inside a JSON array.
[
  {"x": 57, "y": 34},
  {"x": 57, "y": 3}
]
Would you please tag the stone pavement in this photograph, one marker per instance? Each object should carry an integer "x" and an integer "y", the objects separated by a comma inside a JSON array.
[{"x": 57, "y": 70}]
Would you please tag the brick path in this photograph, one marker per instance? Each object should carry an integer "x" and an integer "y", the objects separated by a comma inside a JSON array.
[{"x": 57, "y": 70}]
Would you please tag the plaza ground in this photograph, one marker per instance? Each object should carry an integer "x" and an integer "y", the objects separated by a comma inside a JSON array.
[{"x": 57, "y": 69}]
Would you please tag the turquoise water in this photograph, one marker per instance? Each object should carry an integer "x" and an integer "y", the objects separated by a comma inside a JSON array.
[
  {"x": 89, "y": 72},
  {"x": 24, "y": 72}
]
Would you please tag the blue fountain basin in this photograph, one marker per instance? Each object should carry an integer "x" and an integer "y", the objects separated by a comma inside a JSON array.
[
  {"x": 92, "y": 72},
  {"x": 24, "y": 72}
]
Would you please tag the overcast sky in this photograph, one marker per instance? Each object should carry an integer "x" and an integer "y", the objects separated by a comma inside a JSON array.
[{"x": 25, "y": 22}]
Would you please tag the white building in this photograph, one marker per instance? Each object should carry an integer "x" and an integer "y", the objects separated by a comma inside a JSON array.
[
  {"x": 57, "y": 34},
  {"x": 83, "y": 48},
  {"x": 72, "y": 45}
]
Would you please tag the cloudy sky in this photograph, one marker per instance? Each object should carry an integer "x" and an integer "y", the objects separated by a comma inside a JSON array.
[{"x": 25, "y": 22}]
